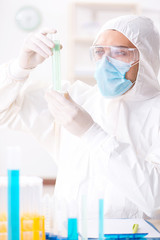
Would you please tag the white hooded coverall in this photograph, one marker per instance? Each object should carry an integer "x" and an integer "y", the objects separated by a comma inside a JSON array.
[{"x": 119, "y": 156}]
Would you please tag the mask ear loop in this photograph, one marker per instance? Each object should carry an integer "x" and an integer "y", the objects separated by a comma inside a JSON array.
[
  {"x": 132, "y": 66},
  {"x": 134, "y": 82},
  {"x": 135, "y": 63}
]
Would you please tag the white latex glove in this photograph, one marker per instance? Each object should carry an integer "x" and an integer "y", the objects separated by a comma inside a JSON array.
[
  {"x": 68, "y": 113},
  {"x": 37, "y": 47}
]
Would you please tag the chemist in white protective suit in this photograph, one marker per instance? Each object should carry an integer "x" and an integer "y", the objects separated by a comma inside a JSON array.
[{"x": 110, "y": 143}]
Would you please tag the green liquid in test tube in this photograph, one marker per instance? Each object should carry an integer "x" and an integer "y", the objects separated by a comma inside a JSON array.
[
  {"x": 56, "y": 66},
  {"x": 56, "y": 73}
]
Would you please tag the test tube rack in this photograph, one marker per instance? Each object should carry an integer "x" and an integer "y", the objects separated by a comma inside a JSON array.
[
  {"x": 32, "y": 223},
  {"x": 32, "y": 228}
]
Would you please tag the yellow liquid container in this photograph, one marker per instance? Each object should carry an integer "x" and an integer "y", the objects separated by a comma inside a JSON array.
[{"x": 32, "y": 227}]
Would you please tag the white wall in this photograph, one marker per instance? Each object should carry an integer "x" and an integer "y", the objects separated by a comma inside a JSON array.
[
  {"x": 35, "y": 160},
  {"x": 54, "y": 13}
]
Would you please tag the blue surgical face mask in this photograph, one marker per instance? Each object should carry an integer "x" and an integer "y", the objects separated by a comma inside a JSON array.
[{"x": 110, "y": 77}]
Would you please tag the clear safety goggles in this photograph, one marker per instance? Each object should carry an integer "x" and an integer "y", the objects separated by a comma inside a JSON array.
[{"x": 124, "y": 54}]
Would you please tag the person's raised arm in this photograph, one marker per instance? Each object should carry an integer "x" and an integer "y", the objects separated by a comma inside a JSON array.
[
  {"x": 23, "y": 107},
  {"x": 13, "y": 76}
]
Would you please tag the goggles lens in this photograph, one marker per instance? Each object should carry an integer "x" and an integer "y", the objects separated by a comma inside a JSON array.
[{"x": 124, "y": 54}]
